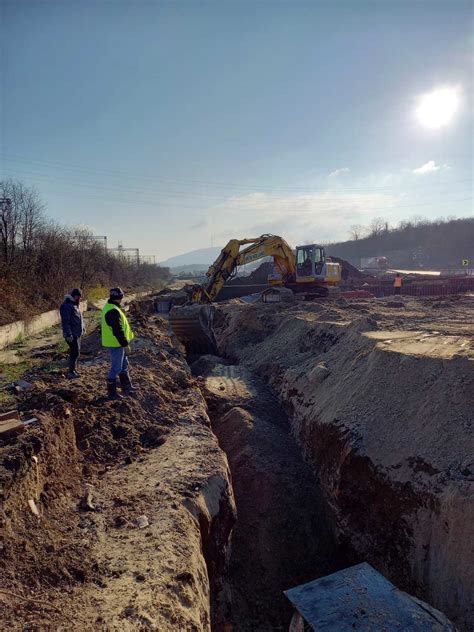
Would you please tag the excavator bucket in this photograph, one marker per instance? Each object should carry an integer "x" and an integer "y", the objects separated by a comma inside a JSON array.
[{"x": 192, "y": 324}]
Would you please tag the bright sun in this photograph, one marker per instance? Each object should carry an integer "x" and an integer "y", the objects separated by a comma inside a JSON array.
[{"x": 437, "y": 108}]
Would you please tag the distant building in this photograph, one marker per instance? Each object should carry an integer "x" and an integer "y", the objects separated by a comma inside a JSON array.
[{"x": 374, "y": 263}]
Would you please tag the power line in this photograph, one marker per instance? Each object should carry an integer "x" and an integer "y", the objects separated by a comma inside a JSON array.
[
  {"x": 203, "y": 199},
  {"x": 192, "y": 182},
  {"x": 217, "y": 207}
]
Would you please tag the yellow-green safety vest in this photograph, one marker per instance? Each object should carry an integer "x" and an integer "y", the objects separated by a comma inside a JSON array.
[{"x": 108, "y": 338}]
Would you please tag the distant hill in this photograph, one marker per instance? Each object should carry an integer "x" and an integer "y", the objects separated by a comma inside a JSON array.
[
  {"x": 202, "y": 258},
  {"x": 424, "y": 245},
  {"x": 197, "y": 261},
  {"x": 192, "y": 269},
  {"x": 420, "y": 245}
]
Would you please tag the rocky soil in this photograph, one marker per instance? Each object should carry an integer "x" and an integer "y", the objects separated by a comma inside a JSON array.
[{"x": 380, "y": 398}]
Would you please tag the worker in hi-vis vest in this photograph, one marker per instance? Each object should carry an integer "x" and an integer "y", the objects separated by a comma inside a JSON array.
[
  {"x": 397, "y": 283},
  {"x": 116, "y": 336}
]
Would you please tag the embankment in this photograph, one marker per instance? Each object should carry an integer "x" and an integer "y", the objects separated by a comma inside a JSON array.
[
  {"x": 147, "y": 547},
  {"x": 381, "y": 406}
]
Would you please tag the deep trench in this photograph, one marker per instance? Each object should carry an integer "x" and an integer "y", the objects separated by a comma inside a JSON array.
[{"x": 284, "y": 533}]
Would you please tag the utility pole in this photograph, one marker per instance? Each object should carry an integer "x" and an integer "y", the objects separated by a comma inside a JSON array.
[{"x": 125, "y": 252}]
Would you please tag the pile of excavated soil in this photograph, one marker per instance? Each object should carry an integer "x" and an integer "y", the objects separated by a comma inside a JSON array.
[
  {"x": 148, "y": 545},
  {"x": 348, "y": 271},
  {"x": 257, "y": 277},
  {"x": 380, "y": 398}
]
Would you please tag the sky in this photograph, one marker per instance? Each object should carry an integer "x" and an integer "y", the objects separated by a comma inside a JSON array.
[{"x": 171, "y": 126}]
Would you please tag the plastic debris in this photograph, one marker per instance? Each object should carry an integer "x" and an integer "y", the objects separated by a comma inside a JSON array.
[
  {"x": 33, "y": 507},
  {"x": 142, "y": 522}
]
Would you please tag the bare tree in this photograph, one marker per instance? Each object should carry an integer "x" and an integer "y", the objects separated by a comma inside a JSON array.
[
  {"x": 357, "y": 231},
  {"x": 19, "y": 221},
  {"x": 40, "y": 260},
  {"x": 378, "y": 226}
]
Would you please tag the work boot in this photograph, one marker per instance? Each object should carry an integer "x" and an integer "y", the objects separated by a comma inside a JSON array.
[
  {"x": 126, "y": 384},
  {"x": 112, "y": 390},
  {"x": 72, "y": 375}
]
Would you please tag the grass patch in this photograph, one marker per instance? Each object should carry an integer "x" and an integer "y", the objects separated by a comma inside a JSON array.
[
  {"x": 14, "y": 372},
  {"x": 6, "y": 399},
  {"x": 97, "y": 293},
  {"x": 62, "y": 346},
  {"x": 19, "y": 341},
  {"x": 53, "y": 367}
]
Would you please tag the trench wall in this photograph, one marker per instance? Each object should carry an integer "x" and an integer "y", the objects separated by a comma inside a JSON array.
[
  {"x": 181, "y": 482},
  {"x": 389, "y": 437}
]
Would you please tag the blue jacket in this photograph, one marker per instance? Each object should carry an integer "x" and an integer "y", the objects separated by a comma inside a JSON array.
[{"x": 71, "y": 318}]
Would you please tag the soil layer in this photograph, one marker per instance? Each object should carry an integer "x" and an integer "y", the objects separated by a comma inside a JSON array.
[
  {"x": 283, "y": 535},
  {"x": 380, "y": 398},
  {"x": 134, "y": 507}
]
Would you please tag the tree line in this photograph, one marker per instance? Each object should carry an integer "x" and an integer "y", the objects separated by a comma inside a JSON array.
[
  {"x": 416, "y": 243},
  {"x": 41, "y": 260}
]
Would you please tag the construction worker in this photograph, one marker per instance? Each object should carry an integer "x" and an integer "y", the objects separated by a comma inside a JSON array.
[
  {"x": 73, "y": 328},
  {"x": 397, "y": 284},
  {"x": 116, "y": 336}
]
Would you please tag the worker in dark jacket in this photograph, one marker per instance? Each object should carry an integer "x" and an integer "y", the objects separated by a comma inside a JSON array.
[
  {"x": 73, "y": 328},
  {"x": 116, "y": 336}
]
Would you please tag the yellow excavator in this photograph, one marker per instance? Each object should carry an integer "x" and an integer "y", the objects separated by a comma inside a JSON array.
[{"x": 307, "y": 269}]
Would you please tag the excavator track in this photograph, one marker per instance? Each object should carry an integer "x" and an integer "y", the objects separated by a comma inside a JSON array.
[{"x": 192, "y": 325}]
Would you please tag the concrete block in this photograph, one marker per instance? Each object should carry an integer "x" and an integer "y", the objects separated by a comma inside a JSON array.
[{"x": 10, "y": 333}]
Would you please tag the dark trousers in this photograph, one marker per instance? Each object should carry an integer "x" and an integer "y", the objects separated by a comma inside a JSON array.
[
  {"x": 74, "y": 352},
  {"x": 397, "y": 290}
]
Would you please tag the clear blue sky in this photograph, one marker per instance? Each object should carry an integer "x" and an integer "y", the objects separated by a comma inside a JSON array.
[{"x": 168, "y": 125}]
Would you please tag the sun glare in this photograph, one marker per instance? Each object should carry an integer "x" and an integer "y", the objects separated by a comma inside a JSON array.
[{"x": 437, "y": 108}]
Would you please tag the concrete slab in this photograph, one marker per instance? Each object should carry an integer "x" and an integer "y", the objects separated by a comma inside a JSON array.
[{"x": 360, "y": 598}]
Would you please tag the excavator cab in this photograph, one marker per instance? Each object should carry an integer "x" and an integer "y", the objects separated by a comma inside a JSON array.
[{"x": 312, "y": 265}]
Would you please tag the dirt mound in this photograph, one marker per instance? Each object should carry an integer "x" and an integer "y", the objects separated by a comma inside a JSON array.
[
  {"x": 260, "y": 275},
  {"x": 257, "y": 277},
  {"x": 152, "y": 546},
  {"x": 348, "y": 270},
  {"x": 381, "y": 405}
]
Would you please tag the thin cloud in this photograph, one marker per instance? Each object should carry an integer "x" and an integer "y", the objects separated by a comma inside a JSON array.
[
  {"x": 199, "y": 224},
  {"x": 317, "y": 217},
  {"x": 429, "y": 167},
  {"x": 338, "y": 172}
]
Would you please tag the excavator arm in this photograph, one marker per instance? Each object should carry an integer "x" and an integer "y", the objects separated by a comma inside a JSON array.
[
  {"x": 192, "y": 324},
  {"x": 232, "y": 256}
]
